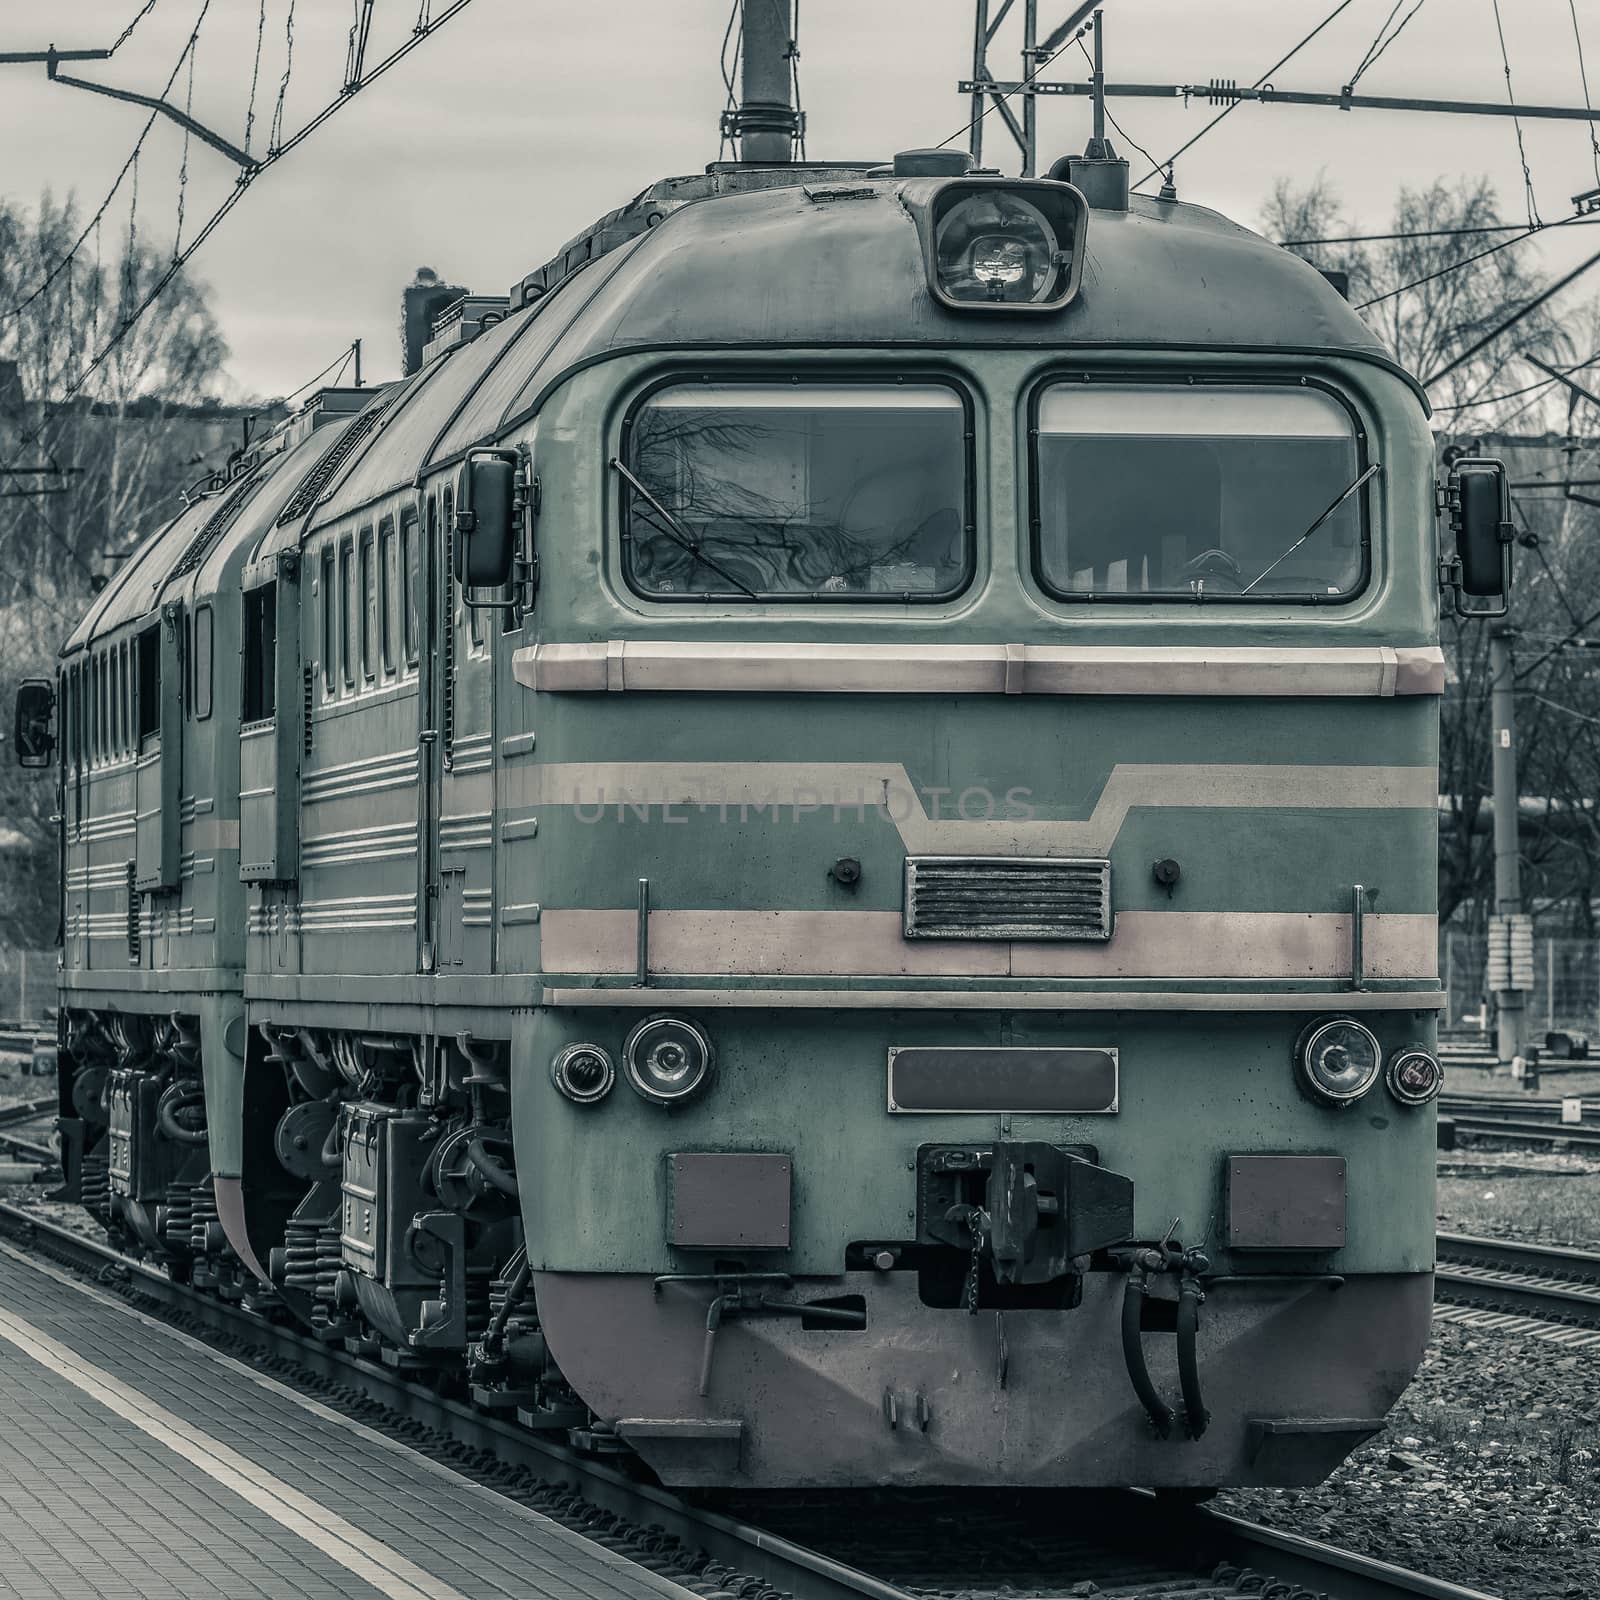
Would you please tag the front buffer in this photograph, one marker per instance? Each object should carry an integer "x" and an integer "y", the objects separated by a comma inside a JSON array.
[{"x": 786, "y": 1279}]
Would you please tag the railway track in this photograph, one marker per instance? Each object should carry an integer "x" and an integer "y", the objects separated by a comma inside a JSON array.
[
  {"x": 1515, "y": 1105},
  {"x": 1520, "y": 1121},
  {"x": 1506, "y": 1277},
  {"x": 888, "y": 1545},
  {"x": 26, "y": 1111}
]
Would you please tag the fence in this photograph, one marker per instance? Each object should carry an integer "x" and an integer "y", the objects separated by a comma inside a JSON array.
[
  {"x": 1566, "y": 981},
  {"x": 27, "y": 984}
]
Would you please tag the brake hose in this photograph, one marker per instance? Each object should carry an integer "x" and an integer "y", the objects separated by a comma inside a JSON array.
[
  {"x": 1159, "y": 1412},
  {"x": 1190, "y": 1294}
]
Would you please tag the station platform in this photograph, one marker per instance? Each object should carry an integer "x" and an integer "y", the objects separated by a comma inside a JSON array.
[{"x": 139, "y": 1463}]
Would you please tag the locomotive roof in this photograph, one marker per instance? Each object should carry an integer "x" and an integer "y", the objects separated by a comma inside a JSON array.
[
  {"x": 737, "y": 259},
  {"x": 819, "y": 261},
  {"x": 208, "y": 534}
]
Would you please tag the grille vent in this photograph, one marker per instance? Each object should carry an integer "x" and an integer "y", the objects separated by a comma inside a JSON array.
[
  {"x": 1007, "y": 897},
  {"x": 133, "y": 916},
  {"x": 217, "y": 524},
  {"x": 318, "y": 479}
]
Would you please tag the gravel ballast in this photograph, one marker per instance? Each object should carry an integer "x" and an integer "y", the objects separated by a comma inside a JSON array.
[{"x": 1487, "y": 1473}]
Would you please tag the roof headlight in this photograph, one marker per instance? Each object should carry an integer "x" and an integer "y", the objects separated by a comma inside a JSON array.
[
  {"x": 999, "y": 260},
  {"x": 1338, "y": 1060},
  {"x": 667, "y": 1059},
  {"x": 1414, "y": 1076},
  {"x": 1005, "y": 245}
]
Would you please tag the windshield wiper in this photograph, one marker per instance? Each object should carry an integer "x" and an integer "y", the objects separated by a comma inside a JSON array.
[
  {"x": 676, "y": 531},
  {"x": 1344, "y": 495}
]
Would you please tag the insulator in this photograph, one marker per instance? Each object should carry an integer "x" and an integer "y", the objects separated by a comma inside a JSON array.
[{"x": 1223, "y": 91}]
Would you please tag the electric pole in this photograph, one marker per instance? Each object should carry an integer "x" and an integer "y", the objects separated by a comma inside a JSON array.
[
  {"x": 1510, "y": 932},
  {"x": 766, "y": 124}
]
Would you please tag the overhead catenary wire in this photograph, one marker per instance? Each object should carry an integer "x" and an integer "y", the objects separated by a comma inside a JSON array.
[
  {"x": 1380, "y": 43},
  {"x": 275, "y": 134},
  {"x": 255, "y": 76},
  {"x": 1516, "y": 122},
  {"x": 280, "y": 149},
  {"x": 1437, "y": 233},
  {"x": 1583, "y": 78},
  {"x": 1484, "y": 340},
  {"x": 128, "y": 166},
  {"x": 1162, "y": 166},
  {"x": 1467, "y": 261},
  {"x": 341, "y": 361},
  {"x": 127, "y": 33},
  {"x": 183, "y": 165}
]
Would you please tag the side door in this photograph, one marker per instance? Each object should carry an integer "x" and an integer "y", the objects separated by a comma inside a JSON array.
[
  {"x": 270, "y": 733},
  {"x": 158, "y": 763},
  {"x": 458, "y": 756},
  {"x": 428, "y": 581}
]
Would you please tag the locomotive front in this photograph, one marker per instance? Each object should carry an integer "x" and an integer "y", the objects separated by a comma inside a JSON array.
[{"x": 978, "y": 815}]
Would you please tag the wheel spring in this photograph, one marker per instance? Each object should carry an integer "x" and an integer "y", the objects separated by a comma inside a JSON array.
[
  {"x": 480, "y": 1300},
  {"x": 95, "y": 1186},
  {"x": 328, "y": 1260},
  {"x": 180, "y": 1215},
  {"x": 300, "y": 1254},
  {"x": 203, "y": 1212}
]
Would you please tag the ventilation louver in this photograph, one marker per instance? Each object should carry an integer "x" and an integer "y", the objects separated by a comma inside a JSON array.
[
  {"x": 321, "y": 475},
  {"x": 1007, "y": 897},
  {"x": 217, "y": 524}
]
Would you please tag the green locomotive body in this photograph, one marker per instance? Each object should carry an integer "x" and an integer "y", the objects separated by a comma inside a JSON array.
[{"x": 896, "y": 942}]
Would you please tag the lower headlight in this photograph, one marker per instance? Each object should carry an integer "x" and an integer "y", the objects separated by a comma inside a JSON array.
[
  {"x": 667, "y": 1059},
  {"x": 583, "y": 1073},
  {"x": 1338, "y": 1060},
  {"x": 1414, "y": 1076}
]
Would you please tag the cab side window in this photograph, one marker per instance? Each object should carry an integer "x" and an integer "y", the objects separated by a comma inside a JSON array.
[
  {"x": 260, "y": 652},
  {"x": 388, "y": 568},
  {"x": 368, "y": 604},
  {"x": 410, "y": 560}
]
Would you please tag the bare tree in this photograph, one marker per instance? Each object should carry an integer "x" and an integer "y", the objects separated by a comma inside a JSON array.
[
  {"x": 117, "y": 451},
  {"x": 1430, "y": 294}
]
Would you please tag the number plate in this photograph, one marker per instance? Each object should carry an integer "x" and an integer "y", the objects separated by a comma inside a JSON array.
[{"x": 1064, "y": 1081}]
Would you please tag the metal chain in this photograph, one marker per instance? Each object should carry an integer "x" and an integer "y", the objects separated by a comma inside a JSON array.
[{"x": 975, "y": 1222}]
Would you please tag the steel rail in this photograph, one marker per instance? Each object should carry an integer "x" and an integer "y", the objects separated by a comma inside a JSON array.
[
  {"x": 26, "y": 1111},
  {"x": 29, "y": 1150},
  {"x": 1523, "y": 1132},
  {"x": 1517, "y": 1105},
  {"x": 1543, "y": 1281},
  {"x": 744, "y": 1546}
]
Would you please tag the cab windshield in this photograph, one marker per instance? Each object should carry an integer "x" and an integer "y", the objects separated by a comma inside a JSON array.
[
  {"x": 790, "y": 491},
  {"x": 1146, "y": 491}
]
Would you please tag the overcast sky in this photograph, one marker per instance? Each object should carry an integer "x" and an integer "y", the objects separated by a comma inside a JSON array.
[{"x": 523, "y": 120}]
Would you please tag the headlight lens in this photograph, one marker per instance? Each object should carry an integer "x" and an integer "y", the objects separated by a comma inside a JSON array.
[
  {"x": 1414, "y": 1076},
  {"x": 583, "y": 1073},
  {"x": 1338, "y": 1060},
  {"x": 996, "y": 247},
  {"x": 667, "y": 1059}
]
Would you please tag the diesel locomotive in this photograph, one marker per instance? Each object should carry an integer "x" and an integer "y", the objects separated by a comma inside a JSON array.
[{"x": 810, "y": 853}]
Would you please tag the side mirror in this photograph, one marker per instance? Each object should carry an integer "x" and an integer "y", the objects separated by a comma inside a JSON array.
[
  {"x": 1479, "y": 504},
  {"x": 34, "y": 731},
  {"x": 486, "y": 520}
]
